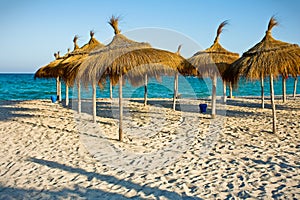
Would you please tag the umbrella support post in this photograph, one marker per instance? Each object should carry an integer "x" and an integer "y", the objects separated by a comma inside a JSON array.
[
  {"x": 295, "y": 87},
  {"x": 59, "y": 89},
  {"x": 273, "y": 103},
  {"x": 230, "y": 90},
  {"x": 94, "y": 103},
  {"x": 146, "y": 90},
  {"x": 110, "y": 90},
  {"x": 67, "y": 95},
  {"x": 213, "y": 99},
  {"x": 283, "y": 89},
  {"x": 224, "y": 91},
  {"x": 120, "y": 109},
  {"x": 175, "y": 90},
  {"x": 262, "y": 93},
  {"x": 79, "y": 97}
]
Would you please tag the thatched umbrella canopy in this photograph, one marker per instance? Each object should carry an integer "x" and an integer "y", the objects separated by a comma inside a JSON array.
[
  {"x": 216, "y": 55},
  {"x": 213, "y": 61},
  {"x": 72, "y": 63},
  {"x": 69, "y": 66},
  {"x": 93, "y": 69},
  {"x": 268, "y": 50},
  {"x": 135, "y": 64},
  {"x": 49, "y": 72},
  {"x": 270, "y": 57},
  {"x": 99, "y": 60},
  {"x": 53, "y": 71},
  {"x": 124, "y": 58}
]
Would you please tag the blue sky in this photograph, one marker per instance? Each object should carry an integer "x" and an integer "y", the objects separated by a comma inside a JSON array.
[{"x": 31, "y": 31}]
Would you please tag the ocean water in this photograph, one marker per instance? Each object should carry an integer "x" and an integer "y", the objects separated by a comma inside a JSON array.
[{"x": 25, "y": 87}]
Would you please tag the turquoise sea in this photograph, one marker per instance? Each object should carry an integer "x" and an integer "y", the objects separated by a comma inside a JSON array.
[{"x": 25, "y": 87}]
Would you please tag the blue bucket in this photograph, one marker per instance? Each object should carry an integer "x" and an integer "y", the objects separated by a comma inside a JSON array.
[
  {"x": 53, "y": 98},
  {"x": 203, "y": 108}
]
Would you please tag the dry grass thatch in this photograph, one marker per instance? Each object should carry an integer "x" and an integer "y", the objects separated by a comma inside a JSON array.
[
  {"x": 72, "y": 63},
  {"x": 269, "y": 56},
  {"x": 52, "y": 70},
  {"x": 48, "y": 71},
  {"x": 215, "y": 59},
  {"x": 134, "y": 65},
  {"x": 94, "y": 67},
  {"x": 75, "y": 42}
]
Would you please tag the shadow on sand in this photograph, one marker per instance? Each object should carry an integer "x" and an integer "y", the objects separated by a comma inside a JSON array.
[
  {"x": 10, "y": 110},
  {"x": 88, "y": 193},
  {"x": 110, "y": 109}
]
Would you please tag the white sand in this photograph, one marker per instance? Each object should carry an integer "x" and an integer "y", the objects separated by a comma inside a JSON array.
[{"x": 50, "y": 152}]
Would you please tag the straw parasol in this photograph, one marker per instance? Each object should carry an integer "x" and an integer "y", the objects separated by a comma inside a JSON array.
[
  {"x": 70, "y": 65},
  {"x": 124, "y": 58},
  {"x": 49, "y": 71},
  {"x": 213, "y": 62},
  {"x": 270, "y": 57},
  {"x": 135, "y": 64},
  {"x": 93, "y": 69},
  {"x": 53, "y": 70}
]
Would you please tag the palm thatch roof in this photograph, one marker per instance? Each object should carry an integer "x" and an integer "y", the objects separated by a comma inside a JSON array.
[
  {"x": 47, "y": 70},
  {"x": 269, "y": 56},
  {"x": 94, "y": 67},
  {"x": 135, "y": 64},
  {"x": 207, "y": 60},
  {"x": 71, "y": 64},
  {"x": 51, "y": 70}
]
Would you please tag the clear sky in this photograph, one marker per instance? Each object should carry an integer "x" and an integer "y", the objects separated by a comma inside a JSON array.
[{"x": 32, "y": 30}]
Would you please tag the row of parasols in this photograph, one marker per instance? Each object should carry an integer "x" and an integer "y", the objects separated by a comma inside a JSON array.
[{"x": 124, "y": 59}]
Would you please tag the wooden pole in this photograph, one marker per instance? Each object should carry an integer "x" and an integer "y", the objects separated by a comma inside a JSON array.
[
  {"x": 273, "y": 103},
  {"x": 146, "y": 90},
  {"x": 175, "y": 90},
  {"x": 295, "y": 87},
  {"x": 283, "y": 89},
  {"x": 120, "y": 109},
  {"x": 79, "y": 97},
  {"x": 67, "y": 95},
  {"x": 94, "y": 103},
  {"x": 213, "y": 99},
  {"x": 230, "y": 90},
  {"x": 224, "y": 91},
  {"x": 262, "y": 92},
  {"x": 110, "y": 90},
  {"x": 59, "y": 89}
]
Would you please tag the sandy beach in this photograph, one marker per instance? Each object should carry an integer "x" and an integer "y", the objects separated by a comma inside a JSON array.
[{"x": 49, "y": 151}]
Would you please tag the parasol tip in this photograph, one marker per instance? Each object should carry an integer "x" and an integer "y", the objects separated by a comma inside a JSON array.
[
  {"x": 114, "y": 23},
  {"x": 92, "y": 33},
  {"x": 273, "y": 22},
  {"x": 75, "y": 42},
  {"x": 220, "y": 30},
  {"x": 178, "y": 49},
  {"x": 75, "y": 39}
]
